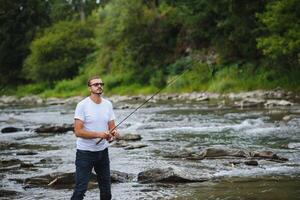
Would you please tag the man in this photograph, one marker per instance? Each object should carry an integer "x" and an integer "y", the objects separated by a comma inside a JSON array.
[{"x": 94, "y": 120}]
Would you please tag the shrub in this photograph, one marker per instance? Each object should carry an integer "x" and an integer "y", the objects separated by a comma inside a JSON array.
[{"x": 59, "y": 52}]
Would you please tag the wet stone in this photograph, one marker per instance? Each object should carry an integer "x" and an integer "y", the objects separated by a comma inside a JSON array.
[
  {"x": 11, "y": 129},
  {"x": 169, "y": 175},
  {"x": 66, "y": 180},
  {"x": 120, "y": 177},
  {"x": 287, "y": 118},
  {"x": 26, "y": 153},
  {"x": 135, "y": 146},
  {"x": 130, "y": 137},
  {"x": 39, "y": 147},
  {"x": 11, "y": 162},
  {"x": 251, "y": 162},
  {"x": 293, "y": 145},
  {"x": 55, "y": 129},
  {"x": 50, "y": 160},
  {"x": 121, "y": 143},
  {"x": 223, "y": 152},
  {"x": 26, "y": 165},
  {"x": 8, "y": 193}
]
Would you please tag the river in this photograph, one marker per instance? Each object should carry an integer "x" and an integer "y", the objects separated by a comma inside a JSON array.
[{"x": 166, "y": 127}]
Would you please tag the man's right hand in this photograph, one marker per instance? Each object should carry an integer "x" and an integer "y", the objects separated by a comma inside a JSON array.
[{"x": 105, "y": 135}]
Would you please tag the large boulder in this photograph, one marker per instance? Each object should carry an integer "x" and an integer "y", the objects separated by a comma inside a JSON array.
[
  {"x": 169, "y": 175},
  {"x": 54, "y": 128},
  {"x": 267, "y": 154},
  {"x": 223, "y": 152},
  {"x": 67, "y": 180}
]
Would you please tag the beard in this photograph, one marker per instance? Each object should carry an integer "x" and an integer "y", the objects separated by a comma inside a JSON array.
[{"x": 98, "y": 92}]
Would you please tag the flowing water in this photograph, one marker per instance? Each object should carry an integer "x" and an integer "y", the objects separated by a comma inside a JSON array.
[{"x": 166, "y": 128}]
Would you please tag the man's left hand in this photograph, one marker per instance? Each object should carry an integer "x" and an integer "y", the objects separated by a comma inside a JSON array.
[{"x": 115, "y": 134}]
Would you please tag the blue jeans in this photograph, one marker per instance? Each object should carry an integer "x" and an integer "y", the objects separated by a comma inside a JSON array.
[{"x": 85, "y": 161}]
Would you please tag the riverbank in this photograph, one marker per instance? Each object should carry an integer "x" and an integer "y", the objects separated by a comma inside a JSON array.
[{"x": 277, "y": 97}]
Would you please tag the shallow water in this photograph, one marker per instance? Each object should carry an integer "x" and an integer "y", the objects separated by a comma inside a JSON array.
[{"x": 166, "y": 128}]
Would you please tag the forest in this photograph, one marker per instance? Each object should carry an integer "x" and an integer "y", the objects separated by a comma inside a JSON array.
[{"x": 51, "y": 47}]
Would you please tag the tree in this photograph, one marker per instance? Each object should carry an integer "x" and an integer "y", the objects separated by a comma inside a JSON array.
[
  {"x": 138, "y": 38},
  {"x": 59, "y": 52},
  {"x": 19, "y": 22},
  {"x": 228, "y": 26},
  {"x": 281, "y": 43},
  {"x": 62, "y": 10}
]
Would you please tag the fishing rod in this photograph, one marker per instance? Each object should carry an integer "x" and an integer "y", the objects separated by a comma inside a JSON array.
[{"x": 156, "y": 93}]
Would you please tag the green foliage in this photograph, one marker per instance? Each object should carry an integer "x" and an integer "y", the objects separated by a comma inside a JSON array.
[
  {"x": 229, "y": 27},
  {"x": 62, "y": 10},
  {"x": 68, "y": 88},
  {"x": 180, "y": 65},
  {"x": 59, "y": 52},
  {"x": 137, "y": 37},
  {"x": 158, "y": 79},
  {"x": 116, "y": 80},
  {"x": 281, "y": 44},
  {"x": 132, "y": 89},
  {"x": 31, "y": 89},
  {"x": 196, "y": 78},
  {"x": 138, "y": 46},
  {"x": 19, "y": 22}
]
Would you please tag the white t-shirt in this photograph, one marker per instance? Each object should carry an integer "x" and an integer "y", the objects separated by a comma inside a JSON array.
[{"x": 95, "y": 117}]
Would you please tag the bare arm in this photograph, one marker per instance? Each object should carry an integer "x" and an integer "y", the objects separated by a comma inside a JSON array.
[
  {"x": 111, "y": 126},
  {"x": 80, "y": 132}
]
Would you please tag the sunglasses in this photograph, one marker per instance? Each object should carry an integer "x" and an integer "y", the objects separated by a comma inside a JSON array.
[{"x": 97, "y": 84}]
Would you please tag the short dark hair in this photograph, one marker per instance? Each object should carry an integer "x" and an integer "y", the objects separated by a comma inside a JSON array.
[{"x": 92, "y": 78}]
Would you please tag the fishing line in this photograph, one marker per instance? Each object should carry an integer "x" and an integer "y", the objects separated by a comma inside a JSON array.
[{"x": 156, "y": 93}]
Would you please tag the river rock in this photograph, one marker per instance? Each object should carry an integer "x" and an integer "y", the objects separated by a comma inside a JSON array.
[
  {"x": 223, "y": 152},
  {"x": 8, "y": 194},
  {"x": 120, "y": 177},
  {"x": 50, "y": 160},
  {"x": 212, "y": 152},
  {"x": 12, "y": 120},
  {"x": 251, "y": 162},
  {"x": 121, "y": 143},
  {"x": 287, "y": 118},
  {"x": 55, "y": 129},
  {"x": 294, "y": 145},
  {"x": 57, "y": 180},
  {"x": 272, "y": 103},
  {"x": 66, "y": 180},
  {"x": 55, "y": 101},
  {"x": 26, "y": 153},
  {"x": 250, "y": 102},
  {"x": 263, "y": 154},
  {"x": 10, "y": 162},
  {"x": 129, "y": 146},
  {"x": 11, "y": 129},
  {"x": 27, "y": 100},
  {"x": 130, "y": 137},
  {"x": 135, "y": 146},
  {"x": 26, "y": 165},
  {"x": 8, "y": 99},
  {"x": 13, "y": 164},
  {"x": 169, "y": 175},
  {"x": 73, "y": 100},
  {"x": 31, "y": 100}
]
